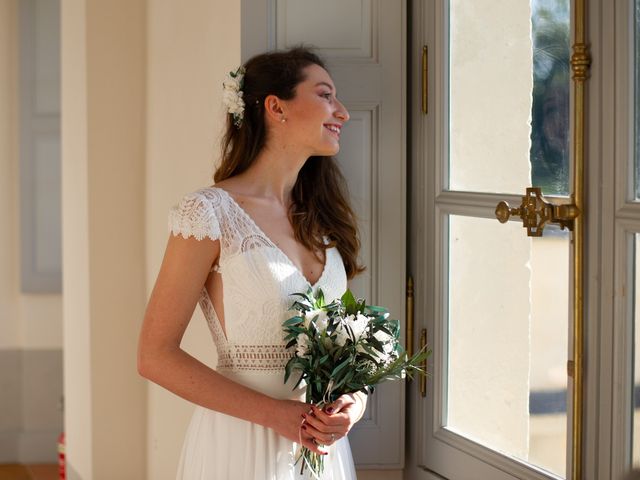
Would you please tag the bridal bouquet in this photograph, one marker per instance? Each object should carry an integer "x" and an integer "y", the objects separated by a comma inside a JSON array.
[{"x": 342, "y": 347}]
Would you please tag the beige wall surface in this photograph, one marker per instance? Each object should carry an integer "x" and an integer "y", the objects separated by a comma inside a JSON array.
[
  {"x": 78, "y": 421},
  {"x": 9, "y": 325},
  {"x": 103, "y": 132},
  {"x": 190, "y": 50},
  {"x": 30, "y": 325},
  {"x": 27, "y": 321}
]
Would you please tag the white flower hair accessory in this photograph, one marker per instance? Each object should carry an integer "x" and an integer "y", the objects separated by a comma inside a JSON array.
[{"x": 232, "y": 95}]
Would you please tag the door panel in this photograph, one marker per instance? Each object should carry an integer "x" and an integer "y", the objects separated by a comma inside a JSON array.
[
  {"x": 635, "y": 310},
  {"x": 608, "y": 445},
  {"x": 633, "y": 245},
  {"x": 635, "y": 42},
  {"x": 364, "y": 45},
  {"x": 498, "y": 320},
  {"x": 629, "y": 244}
]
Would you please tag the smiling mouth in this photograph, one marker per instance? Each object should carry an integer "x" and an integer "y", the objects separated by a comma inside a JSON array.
[{"x": 335, "y": 129}]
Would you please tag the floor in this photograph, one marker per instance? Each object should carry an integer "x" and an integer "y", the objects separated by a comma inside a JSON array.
[{"x": 29, "y": 472}]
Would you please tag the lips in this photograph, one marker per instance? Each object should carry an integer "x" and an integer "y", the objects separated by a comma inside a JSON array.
[{"x": 334, "y": 128}]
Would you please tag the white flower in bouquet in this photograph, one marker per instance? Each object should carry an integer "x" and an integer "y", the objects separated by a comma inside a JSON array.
[
  {"x": 321, "y": 322},
  {"x": 341, "y": 335},
  {"x": 342, "y": 347},
  {"x": 359, "y": 325},
  {"x": 356, "y": 323},
  {"x": 387, "y": 344},
  {"x": 302, "y": 345}
]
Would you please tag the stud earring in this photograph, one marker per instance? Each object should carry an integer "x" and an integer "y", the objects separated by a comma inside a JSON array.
[{"x": 282, "y": 120}]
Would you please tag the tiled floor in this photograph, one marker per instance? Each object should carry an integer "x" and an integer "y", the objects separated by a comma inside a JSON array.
[{"x": 29, "y": 472}]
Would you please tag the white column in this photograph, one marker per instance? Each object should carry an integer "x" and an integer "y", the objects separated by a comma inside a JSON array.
[
  {"x": 190, "y": 50},
  {"x": 9, "y": 326},
  {"x": 103, "y": 145}
]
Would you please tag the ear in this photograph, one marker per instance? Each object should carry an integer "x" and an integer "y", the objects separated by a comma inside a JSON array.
[{"x": 274, "y": 108}]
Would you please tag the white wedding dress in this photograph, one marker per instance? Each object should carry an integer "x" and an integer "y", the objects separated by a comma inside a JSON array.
[{"x": 258, "y": 280}]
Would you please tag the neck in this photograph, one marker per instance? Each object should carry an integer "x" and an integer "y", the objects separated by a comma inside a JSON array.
[{"x": 274, "y": 173}]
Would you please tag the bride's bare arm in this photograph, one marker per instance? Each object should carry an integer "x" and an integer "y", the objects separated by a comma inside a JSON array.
[{"x": 185, "y": 267}]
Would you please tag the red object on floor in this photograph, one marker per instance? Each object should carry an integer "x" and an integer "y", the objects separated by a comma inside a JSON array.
[{"x": 61, "y": 462}]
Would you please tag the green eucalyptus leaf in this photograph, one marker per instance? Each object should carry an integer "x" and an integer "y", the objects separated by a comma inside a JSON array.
[
  {"x": 383, "y": 328},
  {"x": 375, "y": 310},
  {"x": 340, "y": 366},
  {"x": 298, "y": 382},
  {"x": 377, "y": 344},
  {"x": 293, "y": 321},
  {"x": 287, "y": 370}
]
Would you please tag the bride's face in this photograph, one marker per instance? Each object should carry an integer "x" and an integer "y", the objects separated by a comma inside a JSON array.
[{"x": 314, "y": 117}]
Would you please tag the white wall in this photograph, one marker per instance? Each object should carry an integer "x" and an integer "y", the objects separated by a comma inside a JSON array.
[
  {"x": 103, "y": 144},
  {"x": 28, "y": 321},
  {"x": 30, "y": 324},
  {"x": 9, "y": 324},
  {"x": 190, "y": 50}
]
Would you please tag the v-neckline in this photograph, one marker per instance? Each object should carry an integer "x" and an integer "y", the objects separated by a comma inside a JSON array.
[{"x": 253, "y": 223}]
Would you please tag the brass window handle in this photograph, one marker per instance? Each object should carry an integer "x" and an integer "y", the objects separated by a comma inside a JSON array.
[{"x": 536, "y": 212}]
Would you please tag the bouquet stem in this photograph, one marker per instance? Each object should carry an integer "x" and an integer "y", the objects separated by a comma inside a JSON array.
[{"x": 312, "y": 460}]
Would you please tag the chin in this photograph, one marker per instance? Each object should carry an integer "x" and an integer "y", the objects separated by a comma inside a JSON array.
[{"x": 328, "y": 152}]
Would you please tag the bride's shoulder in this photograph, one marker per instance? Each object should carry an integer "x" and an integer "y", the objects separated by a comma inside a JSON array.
[
  {"x": 200, "y": 213},
  {"x": 212, "y": 194}
]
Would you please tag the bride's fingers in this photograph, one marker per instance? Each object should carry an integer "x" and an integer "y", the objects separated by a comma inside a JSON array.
[
  {"x": 337, "y": 423},
  {"x": 312, "y": 444},
  {"x": 328, "y": 439},
  {"x": 325, "y": 438},
  {"x": 341, "y": 403},
  {"x": 317, "y": 423}
]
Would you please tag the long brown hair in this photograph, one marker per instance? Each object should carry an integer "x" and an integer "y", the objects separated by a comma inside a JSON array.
[{"x": 320, "y": 205}]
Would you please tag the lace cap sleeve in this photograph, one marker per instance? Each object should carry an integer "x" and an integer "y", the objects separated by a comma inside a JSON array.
[{"x": 194, "y": 216}]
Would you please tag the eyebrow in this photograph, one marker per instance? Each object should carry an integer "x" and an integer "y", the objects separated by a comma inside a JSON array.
[{"x": 325, "y": 84}]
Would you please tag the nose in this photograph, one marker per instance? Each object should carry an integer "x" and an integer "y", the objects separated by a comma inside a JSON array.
[{"x": 342, "y": 113}]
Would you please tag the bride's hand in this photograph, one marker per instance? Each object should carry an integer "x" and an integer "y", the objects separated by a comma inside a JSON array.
[
  {"x": 288, "y": 421},
  {"x": 336, "y": 419}
]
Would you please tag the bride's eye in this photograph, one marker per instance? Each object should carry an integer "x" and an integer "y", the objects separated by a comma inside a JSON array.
[{"x": 326, "y": 95}]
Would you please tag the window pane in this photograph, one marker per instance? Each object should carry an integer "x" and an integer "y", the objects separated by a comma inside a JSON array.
[
  {"x": 550, "y": 109},
  {"x": 508, "y": 324},
  {"x": 509, "y": 95}
]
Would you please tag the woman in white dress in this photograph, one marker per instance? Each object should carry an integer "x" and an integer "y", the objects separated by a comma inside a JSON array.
[{"x": 277, "y": 222}]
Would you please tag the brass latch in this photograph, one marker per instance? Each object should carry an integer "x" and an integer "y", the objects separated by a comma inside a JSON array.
[{"x": 536, "y": 212}]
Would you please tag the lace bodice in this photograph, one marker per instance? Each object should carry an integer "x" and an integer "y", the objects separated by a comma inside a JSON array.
[{"x": 257, "y": 277}]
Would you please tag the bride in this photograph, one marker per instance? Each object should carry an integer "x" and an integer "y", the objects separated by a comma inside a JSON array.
[{"x": 277, "y": 221}]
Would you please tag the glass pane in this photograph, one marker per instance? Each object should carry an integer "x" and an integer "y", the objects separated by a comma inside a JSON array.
[
  {"x": 508, "y": 325},
  {"x": 509, "y": 95}
]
